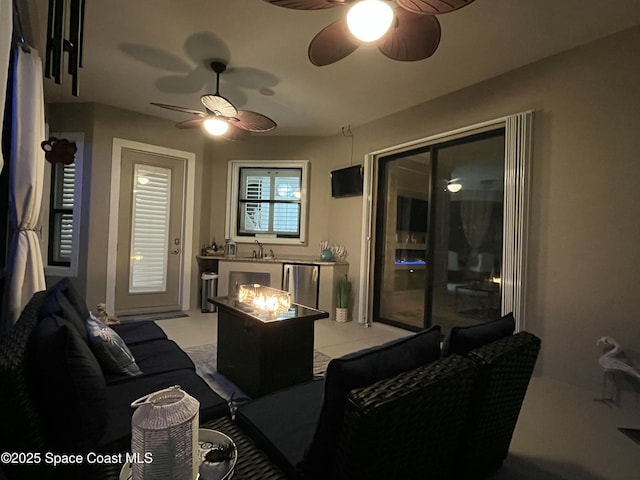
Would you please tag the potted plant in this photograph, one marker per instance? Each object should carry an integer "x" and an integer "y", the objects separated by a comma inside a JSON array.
[{"x": 343, "y": 295}]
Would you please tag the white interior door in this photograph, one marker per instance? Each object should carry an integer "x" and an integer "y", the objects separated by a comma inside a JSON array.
[{"x": 150, "y": 224}]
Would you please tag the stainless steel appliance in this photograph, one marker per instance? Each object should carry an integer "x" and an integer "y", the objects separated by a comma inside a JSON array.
[{"x": 301, "y": 281}]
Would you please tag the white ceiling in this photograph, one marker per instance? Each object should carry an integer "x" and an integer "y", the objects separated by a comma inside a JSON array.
[{"x": 142, "y": 51}]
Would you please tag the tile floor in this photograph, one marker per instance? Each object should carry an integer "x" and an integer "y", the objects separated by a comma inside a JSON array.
[
  {"x": 563, "y": 433},
  {"x": 331, "y": 338}
]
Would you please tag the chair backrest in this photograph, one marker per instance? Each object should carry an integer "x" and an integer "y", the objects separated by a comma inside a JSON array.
[
  {"x": 408, "y": 426},
  {"x": 485, "y": 263},
  {"x": 453, "y": 262},
  {"x": 504, "y": 371}
]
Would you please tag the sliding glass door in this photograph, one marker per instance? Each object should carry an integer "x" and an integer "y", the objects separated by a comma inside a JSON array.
[
  {"x": 401, "y": 239},
  {"x": 439, "y": 223}
]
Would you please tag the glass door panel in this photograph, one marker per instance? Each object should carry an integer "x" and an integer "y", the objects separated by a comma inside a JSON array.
[
  {"x": 150, "y": 216},
  {"x": 468, "y": 232},
  {"x": 401, "y": 246}
]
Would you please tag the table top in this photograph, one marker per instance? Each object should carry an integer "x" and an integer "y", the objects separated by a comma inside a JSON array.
[{"x": 295, "y": 312}]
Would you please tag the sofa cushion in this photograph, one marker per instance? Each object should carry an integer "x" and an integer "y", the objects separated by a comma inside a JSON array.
[
  {"x": 359, "y": 370},
  {"x": 68, "y": 385},
  {"x": 161, "y": 356},
  {"x": 117, "y": 437},
  {"x": 139, "y": 332},
  {"x": 461, "y": 340},
  {"x": 57, "y": 303},
  {"x": 282, "y": 424},
  {"x": 69, "y": 290},
  {"x": 110, "y": 350}
]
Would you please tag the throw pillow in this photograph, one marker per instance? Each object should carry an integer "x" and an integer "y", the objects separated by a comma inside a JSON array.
[
  {"x": 461, "y": 340},
  {"x": 111, "y": 351},
  {"x": 69, "y": 386},
  {"x": 358, "y": 370}
]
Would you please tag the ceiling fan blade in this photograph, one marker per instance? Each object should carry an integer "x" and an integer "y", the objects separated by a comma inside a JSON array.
[
  {"x": 307, "y": 4},
  {"x": 196, "y": 122},
  {"x": 332, "y": 43},
  {"x": 414, "y": 37},
  {"x": 253, "y": 121},
  {"x": 236, "y": 134},
  {"x": 219, "y": 105},
  {"x": 433, "y": 7},
  {"x": 180, "y": 109}
]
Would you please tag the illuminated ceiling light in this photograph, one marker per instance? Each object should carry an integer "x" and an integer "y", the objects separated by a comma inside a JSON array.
[
  {"x": 143, "y": 180},
  {"x": 454, "y": 185},
  {"x": 297, "y": 194},
  {"x": 369, "y": 20},
  {"x": 215, "y": 126}
]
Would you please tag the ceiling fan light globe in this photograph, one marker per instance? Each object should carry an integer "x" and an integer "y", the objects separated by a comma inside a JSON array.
[
  {"x": 215, "y": 126},
  {"x": 369, "y": 20},
  {"x": 454, "y": 186}
]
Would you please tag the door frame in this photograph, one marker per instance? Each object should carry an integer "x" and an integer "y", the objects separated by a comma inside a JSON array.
[
  {"x": 187, "y": 223},
  {"x": 518, "y": 152}
]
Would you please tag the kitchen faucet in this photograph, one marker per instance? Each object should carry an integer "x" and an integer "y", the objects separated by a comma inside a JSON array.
[{"x": 260, "y": 250}]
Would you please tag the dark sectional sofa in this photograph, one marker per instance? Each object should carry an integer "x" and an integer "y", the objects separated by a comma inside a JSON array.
[
  {"x": 58, "y": 397},
  {"x": 407, "y": 409}
]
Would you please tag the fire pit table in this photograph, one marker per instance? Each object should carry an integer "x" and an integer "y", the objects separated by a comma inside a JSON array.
[{"x": 262, "y": 352}]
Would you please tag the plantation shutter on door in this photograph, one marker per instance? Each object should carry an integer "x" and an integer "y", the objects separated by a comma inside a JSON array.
[{"x": 150, "y": 229}]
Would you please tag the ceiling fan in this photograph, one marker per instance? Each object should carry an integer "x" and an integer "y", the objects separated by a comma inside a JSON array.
[
  {"x": 220, "y": 117},
  {"x": 408, "y": 33}
]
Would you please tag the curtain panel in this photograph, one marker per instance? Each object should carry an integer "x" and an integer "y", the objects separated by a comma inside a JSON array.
[
  {"x": 24, "y": 265},
  {"x": 6, "y": 26}
]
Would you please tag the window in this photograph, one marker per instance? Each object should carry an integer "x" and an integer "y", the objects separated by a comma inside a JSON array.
[
  {"x": 60, "y": 212},
  {"x": 63, "y": 179},
  {"x": 267, "y": 201}
]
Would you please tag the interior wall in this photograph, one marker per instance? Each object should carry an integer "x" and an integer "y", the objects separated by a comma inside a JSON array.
[
  {"x": 101, "y": 124},
  {"x": 318, "y": 150},
  {"x": 583, "y": 255}
]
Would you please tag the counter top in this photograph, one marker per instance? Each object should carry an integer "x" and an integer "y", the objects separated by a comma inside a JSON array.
[{"x": 300, "y": 259}]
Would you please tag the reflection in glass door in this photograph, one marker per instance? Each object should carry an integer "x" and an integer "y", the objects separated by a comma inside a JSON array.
[
  {"x": 401, "y": 240},
  {"x": 439, "y": 229}
]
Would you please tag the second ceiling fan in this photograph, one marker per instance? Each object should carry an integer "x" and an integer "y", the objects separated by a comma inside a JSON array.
[
  {"x": 408, "y": 33},
  {"x": 222, "y": 118}
]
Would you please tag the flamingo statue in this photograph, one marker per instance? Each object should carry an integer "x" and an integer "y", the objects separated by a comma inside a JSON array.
[{"x": 612, "y": 363}]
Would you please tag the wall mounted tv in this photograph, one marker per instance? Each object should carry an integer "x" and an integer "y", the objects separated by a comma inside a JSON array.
[
  {"x": 346, "y": 182},
  {"x": 412, "y": 214}
]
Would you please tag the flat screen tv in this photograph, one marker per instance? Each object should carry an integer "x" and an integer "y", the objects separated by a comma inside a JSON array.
[
  {"x": 346, "y": 182},
  {"x": 412, "y": 214}
]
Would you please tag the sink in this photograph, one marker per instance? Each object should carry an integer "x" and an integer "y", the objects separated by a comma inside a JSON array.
[{"x": 254, "y": 259}]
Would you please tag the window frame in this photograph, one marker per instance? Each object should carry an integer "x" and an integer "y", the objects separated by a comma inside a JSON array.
[
  {"x": 47, "y": 210},
  {"x": 232, "y": 224}
]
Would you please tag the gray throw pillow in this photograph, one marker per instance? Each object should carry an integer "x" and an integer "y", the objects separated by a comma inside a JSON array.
[{"x": 110, "y": 350}]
